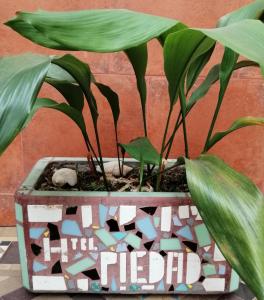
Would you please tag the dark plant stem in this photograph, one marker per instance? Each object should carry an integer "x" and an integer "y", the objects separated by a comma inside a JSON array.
[
  {"x": 118, "y": 156},
  {"x": 162, "y": 147},
  {"x": 183, "y": 113}
]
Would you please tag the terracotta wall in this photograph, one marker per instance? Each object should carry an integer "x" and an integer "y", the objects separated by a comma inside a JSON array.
[{"x": 52, "y": 134}]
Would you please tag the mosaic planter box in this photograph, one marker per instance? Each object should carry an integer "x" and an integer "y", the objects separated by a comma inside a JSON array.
[{"x": 99, "y": 242}]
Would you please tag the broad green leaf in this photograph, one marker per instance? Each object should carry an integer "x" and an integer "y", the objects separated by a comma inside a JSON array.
[
  {"x": 82, "y": 74},
  {"x": 104, "y": 30},
  {"x": 181, "y": 49},
  {"x": 232, "y": 208},
  {"x": 253, "y": 10},
  {"x": 177, "y": 27},
  {"x": 55, "y": 72},
  {"x": 239, "y": 123},
  {"x": 142, "y": 150},
  {"x": 21, "y": 78},
  {"x": 210, "y": 79},
  {"x": 138, "y": 56},
  {"x": 68, "y": 110},
  {"x": 112, "y": 99}
]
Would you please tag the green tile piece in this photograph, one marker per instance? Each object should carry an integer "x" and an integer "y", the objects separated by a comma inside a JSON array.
[
  {"x": 19, "y": 212},
  {"x": 234, "y": 282},
  {"x": 170, "y": 244},
  {"x": 105, "y": 237},
  {"x": 22, "y": 255},
  {"x": 134, "y": 288},
  {"x": 209, "y": 270},
  {"x": 95, "y": 286},
  {"x": 80, "y": 266},
  {"x": 156, "y": 221},
  {"x": 133, "y": 240},
  {"x": 202, "y": 235}
]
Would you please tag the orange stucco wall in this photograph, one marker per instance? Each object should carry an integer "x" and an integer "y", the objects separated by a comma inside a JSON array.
[{"x": 52, "y": 134}]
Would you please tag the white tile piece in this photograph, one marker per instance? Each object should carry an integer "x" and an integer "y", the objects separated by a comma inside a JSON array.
[
  {"x": 165, "y": 224},
  {"x": 44, "y": 213},
  {"x": 214, "y": 284},
  {"x": 194, "y": 210},
  {"x": 207, "y": 248},
  {"x": 156, "y": 267},
  {"x": 63, "y": 249},
  {"x": 122, "y": 267},
  {"x": 48, "y": 283},
  {"x": 180, "y": 268},
  {"x": 107, "y": 258},
  {"x": 184, "y": 212},
  {"x": 135, "y": 267},
  {"x": 198, "y": 217},
  {"x": 193, "y": 269},
  {"x": 122, "y": 288},
  {"x": 171, "y": 266},
  {"x": 148, "y": 287},
  {"x": 82, "y": 284},
  {"x": 126, "y": 213},
  {"x": 218, "y": 256},
  {"x": 87, "y": 217}
]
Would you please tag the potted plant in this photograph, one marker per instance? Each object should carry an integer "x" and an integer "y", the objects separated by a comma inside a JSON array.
[{"x": 142, "y": 225}]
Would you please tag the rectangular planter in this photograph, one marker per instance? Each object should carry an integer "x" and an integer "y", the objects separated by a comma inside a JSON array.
[{"x": 100, "y": 242}]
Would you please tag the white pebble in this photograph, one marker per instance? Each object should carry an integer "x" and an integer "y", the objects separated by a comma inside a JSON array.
[
  {"x": 63, "y": 176},
  {"x": 112, "y": 168}
]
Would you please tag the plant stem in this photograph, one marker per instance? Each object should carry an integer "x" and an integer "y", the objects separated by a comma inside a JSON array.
[
  {"x": 117, "y": 150},
  {"x": 162, "y": 147},
  {"x": 183, "y": 113}
]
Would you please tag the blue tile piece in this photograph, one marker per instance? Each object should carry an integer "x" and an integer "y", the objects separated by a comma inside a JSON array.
[
  {"x": 176, "y": 221},
  {"x": 161, "y": 286},
  {"x": 35, "y": 233},
  {"x": 113, "y": 285},
  {"x": 181, "y": 288},
  {"x": 121, "y": 247},
  {"x": 222, "y": 269},
  {"x": 70, "y": 227},
  {"x": 102, "y": 214},
  {"x": 112, "y": 210},
  {"x": 37, "y": 266},
  {"x": 94, "y": 255},
  {"x": 119, "y": 235},
  {"x": 185, "y": 232},
  {"x": 146, "y": 227},
  {"x": 77, "y": 255}
]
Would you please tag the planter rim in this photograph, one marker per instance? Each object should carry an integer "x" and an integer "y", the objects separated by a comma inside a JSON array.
[{"x": 28, "y": 185}]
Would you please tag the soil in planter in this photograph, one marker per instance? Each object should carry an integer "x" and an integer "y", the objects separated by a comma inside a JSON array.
[{"x": 173, "y": 180}]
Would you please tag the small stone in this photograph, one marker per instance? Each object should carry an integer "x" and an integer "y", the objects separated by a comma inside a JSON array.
[
  {"x": 112, "y": 168},
  {"x": 126, "y": 170},
  {"x": 63, "y": 176}
]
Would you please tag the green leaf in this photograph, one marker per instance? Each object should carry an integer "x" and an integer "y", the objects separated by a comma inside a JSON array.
[
  {"x": 253, "y": 10},
  {"x": 142, "y": 150},
  {"x": 82, "y": 74},
  {"x": 104, "y": 30},
  {"x": 112, "y": 99},
  {"x": 21, "y": 78},
  {"x": 138, "y": 56},
  {"x": 239, "y": 123},
  {"x": 232, "y": 208},
  {"x": 68, "y": 110}
]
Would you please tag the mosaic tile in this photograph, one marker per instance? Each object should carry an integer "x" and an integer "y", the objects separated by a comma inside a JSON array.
[
  {"x": 202, "y": 235},
  {"x": 218, "y": 256},
  {"x": 113, "y": 285},
  {"x": 77, "y": 255},
  {"x": 185, "y": 232},
  {"x": 81, "y": 265},
  {"x": 184, "y": 212},
  {"x": 44, "y": 213},
  {"x": 156, "y": 221},
  {"x": 209, "y": 270},
  {"x": 126, "y": 213},
  {"x": 103, "y": 210},
  {"x": 37, "y": 267},
  {"x": 70, "y": 227},
  {"x": 121, "y": 247},
  {"x": 92, "y": 274},
  {"x": 54, "y": 231},
  {"x": 113, "y": 210},
  {"x": 56, "y": 268},
  {"x": 82, "y": 284},
  {"x": 133, "y": 240},
  {"x": 182, "y": 288},
  {"x": 148, "y": 245},
  {"x": 113, "y": 225},
  {"x": 190, "y": 245},
  {"x": 222, "y": 269},
  {"x": 71, "y": 284},
  {"x": 234, "y": 281},
  {"x": 105, "y": 237},
  {"x": 95, "y": 286},
  {"x": 36, "y": 232},
  {"x": 170, "y": 244},
  {"x": 119, "y": 235},
  {"x": 36, "y": 249},
  {"x": 165, "y": 223},
  {"x": 48, "y": 283},
  {"x": 130, "y": 226},
  {"x": 86, "y": 216},
  {"x": 146, "y": 227},
  {"x": 149, "y": 210},
  {"x": 176, "y": 221},
  {"x": 214, "y": 284},
  {"x": 161, "y": 286},
  {"x": 72, "y": 210}
]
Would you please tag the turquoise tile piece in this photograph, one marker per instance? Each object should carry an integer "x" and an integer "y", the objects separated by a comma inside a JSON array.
[
  {"x": 209, "y": 269},
  {"x": 112, "y": 210},
  {"x": 22, "y": 255},
  {"x": 121, "y": 247},
  {"x": 207, "y": 256},
  {"x": 234, "y": 281},
  {"x": 113, "y": 285},
  {"x": 146, "y": 227},
  {"x": 70, "y": 227},
  {"x": 19, "y": 212},
  {"x": 105, "y": 237},
  {"x": 161, "y": 286},
  {"x": 95, "y": 286},
  {"x": 134, "y": 288},
  {"x": 133, "y": 240},
  {"x": 182, "y": 288},
  {"x": 36, "y": 232},
  {"x": 202, "y": 235},
  {"x": 170, "y": 244},
  {"x": 103, "y": 210},
  {"x": 80, "y": 266},
  {"x": 77, "y": 256},
  {"x": 222, "y": 269},
  {"x": 119, "y": 235},
  {"x": 156, "y": 221},
  {"x": 94, "y": 255},
  {"x": 176, "y": 221},
  {"x": 37, "y": 266},
  {"x": 185, "y": 232}
]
